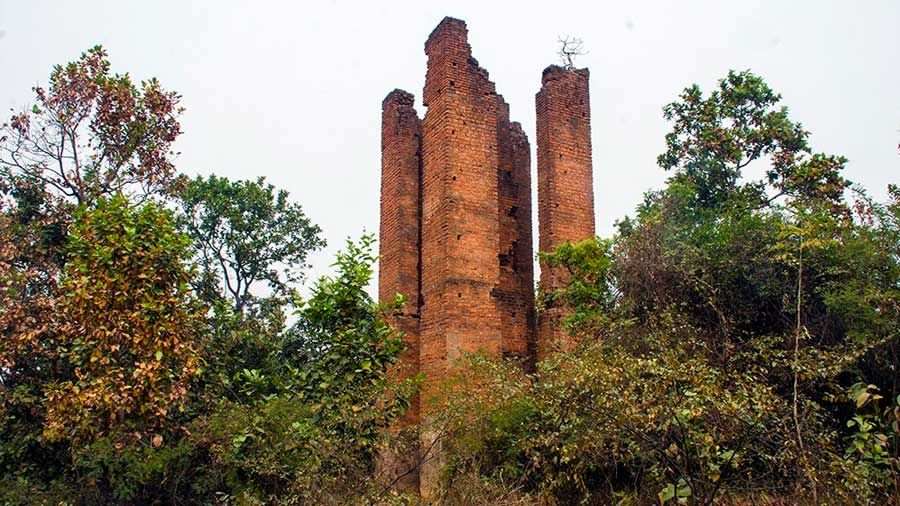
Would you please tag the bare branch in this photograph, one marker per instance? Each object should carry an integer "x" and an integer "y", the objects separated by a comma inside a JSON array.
[{"x": 569, "y": 49}]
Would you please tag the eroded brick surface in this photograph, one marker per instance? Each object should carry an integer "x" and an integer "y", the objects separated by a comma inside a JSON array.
[
  {"x": 399, "y": 244},
  {"x": 459, "y": 220},
  {"x": 515, "y": 291},
  {"x": 456, "y": 234},
  {"x": 460, "y": 226},
  {"x": 565, "y": 181},
  {"x": 400, "y": 216}
]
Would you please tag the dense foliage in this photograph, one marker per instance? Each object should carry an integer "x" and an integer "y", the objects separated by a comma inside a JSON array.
[
  {"x": 245, "y": 232},
  {"x": 305, "y": 423},
  {"x": 738, "y": 336},
  {"x": 140, "y": 362},
  {"x": 129, "y": 325}
]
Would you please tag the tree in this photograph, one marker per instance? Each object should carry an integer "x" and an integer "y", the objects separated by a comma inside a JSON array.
[
  {"x": 708, "y": 236},
  {"x": 93, "y": 133},
  {"x": 305, "y": 427},
  {"x": 129, "y": 326},
  {"x": 90, "y": 135},
  {"x": 714, "y": 138},
  {"x": 341, "y": 333},
  {"x": 244, "y": 233},
  {"x": 569, "y": 49}
]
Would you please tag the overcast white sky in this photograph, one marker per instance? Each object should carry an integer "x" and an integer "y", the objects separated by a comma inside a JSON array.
[{"x": 292, "y": 90}]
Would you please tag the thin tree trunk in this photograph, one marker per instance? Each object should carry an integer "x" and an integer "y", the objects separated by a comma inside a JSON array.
[{"x": 796, "y": 398}]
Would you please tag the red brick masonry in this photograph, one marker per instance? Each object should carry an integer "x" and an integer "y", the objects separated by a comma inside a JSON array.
[
  {"x": 456, "y": 234},
  {"x": 565, "y": 181},
  {"x": 400, "y": 239}
]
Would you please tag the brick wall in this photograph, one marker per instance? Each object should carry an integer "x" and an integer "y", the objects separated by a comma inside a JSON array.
[
  {"x": 399, "y": 245},
  {"x": 460, "y": 229},
  {"x": 515, "y": 292},
  {"x": 565, "y": 181},
  {"x": 456, "y": 234}
]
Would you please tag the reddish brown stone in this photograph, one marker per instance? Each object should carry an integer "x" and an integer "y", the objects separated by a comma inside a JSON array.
[{"x": 565, "y": 181}]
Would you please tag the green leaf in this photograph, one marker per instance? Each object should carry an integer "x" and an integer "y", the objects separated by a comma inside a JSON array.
[
  {"x": 683, "y": 489},
  {"x": 667, "y": 493}
]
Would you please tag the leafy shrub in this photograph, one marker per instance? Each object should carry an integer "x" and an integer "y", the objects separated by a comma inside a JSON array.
[{"x": 721, "y": 329}]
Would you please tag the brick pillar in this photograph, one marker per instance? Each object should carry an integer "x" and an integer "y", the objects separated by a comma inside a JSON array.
[
  {"x": 523, "y": 247},
  {"x": 565, "y": 182},
  {"x": 400, "y": 268},
  {"x": 460, "y": 230},
  {"x": 515, "y": 293}
]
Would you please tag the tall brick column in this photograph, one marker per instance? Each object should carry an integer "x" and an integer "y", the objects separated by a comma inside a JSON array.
[
  {"x": 515, "y": 293},
  {"x": 456, "y": 235},
  {"x": 565, "y": 182},
  {"x": 400, "y": 261},
  {"x": 460, "y": 229}
]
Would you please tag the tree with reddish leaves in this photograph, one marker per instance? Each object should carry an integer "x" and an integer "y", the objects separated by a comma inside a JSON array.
[
  {"x": 92, "y": 133},
  {"x": 89, "y": 134}
]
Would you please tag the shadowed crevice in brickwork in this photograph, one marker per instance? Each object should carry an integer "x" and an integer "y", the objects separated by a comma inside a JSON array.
[
  {"x": 514, "y": 293},
  {"x": 523, "y": 246}
]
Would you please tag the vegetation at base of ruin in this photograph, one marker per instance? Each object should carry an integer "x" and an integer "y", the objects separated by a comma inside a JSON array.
[{"x": 738, "y": 336}]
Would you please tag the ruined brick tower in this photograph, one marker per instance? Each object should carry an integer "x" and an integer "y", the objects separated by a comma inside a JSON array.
[
  {"x": 456, "y": 232},
  {"x": 400, "y": 269},
  {"x": 565, "y": 182}
]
